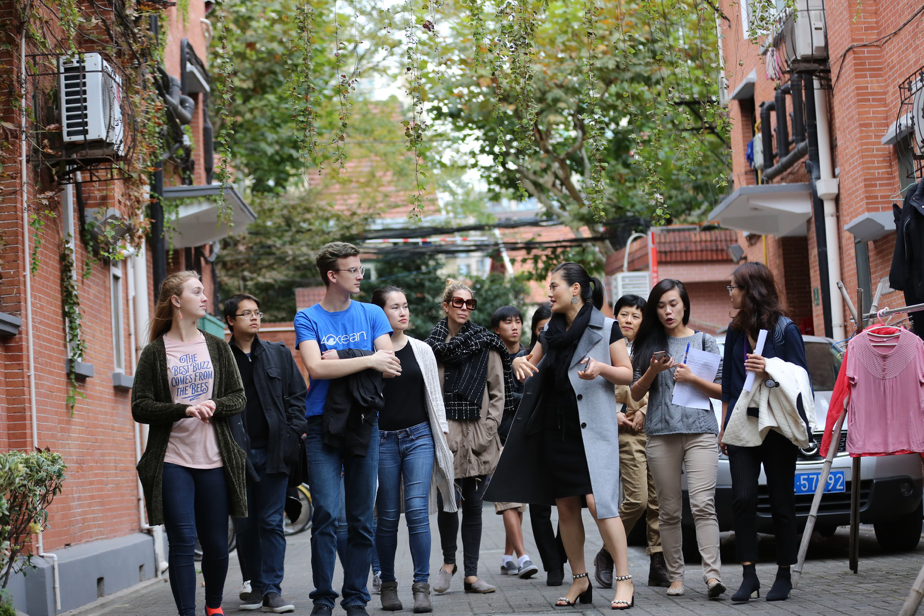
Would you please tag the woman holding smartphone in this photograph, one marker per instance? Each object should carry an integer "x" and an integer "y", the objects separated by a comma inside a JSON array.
[
  {"x": 193, "y": 472},
  {"x": 680, "y": 439}
]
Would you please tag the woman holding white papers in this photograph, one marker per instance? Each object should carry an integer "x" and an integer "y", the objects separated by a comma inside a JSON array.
[
  {"x": 754, "y": 294},
  {"x": 680, "y": 370}
]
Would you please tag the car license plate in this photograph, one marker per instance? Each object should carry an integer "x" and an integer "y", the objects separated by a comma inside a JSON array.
[{"x": 807, "y": 483}]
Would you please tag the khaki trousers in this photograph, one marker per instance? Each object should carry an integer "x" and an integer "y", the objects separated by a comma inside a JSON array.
[
  {"x": 638, "y": 487},
  {"x": 697, "y": 455}
]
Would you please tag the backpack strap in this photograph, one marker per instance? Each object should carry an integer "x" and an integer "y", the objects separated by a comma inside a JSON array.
[{"x": 779, "y": 340}]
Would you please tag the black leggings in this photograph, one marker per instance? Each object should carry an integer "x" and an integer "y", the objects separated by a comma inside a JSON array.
[
  {"x": 778, "y": 456},
  {"x": 471, "y": 492},
  {"x": 196, "y": 503}
]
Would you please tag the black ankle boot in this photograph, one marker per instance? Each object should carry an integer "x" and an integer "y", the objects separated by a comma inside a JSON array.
[
  {"x": 749, "y": 585},
  {"x": 782, "y": 585}
]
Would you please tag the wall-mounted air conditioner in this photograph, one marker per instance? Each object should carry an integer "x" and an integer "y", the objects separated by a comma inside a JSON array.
[
  {"x": 804, "y": 32},
  {"x": 631, "y": 283},
  {"x": 91, "y": 103}
]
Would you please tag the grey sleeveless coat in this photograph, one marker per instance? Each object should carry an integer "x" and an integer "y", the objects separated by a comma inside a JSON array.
[{"x": 519, "y": 475}]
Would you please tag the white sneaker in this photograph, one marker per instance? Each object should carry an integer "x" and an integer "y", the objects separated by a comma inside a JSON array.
[
  {"x": 245, "y": 590},
  {"x": 376, "y": 582}
]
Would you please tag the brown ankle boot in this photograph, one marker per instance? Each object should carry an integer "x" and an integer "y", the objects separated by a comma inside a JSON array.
[
  {"x": 390, "y": 600},
  {"x": 422, "y": 603}
]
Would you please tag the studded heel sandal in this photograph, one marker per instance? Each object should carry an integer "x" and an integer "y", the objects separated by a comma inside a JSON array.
[
  {"x": 619, "y": 604},
  {"x": 584, "y": 598}
]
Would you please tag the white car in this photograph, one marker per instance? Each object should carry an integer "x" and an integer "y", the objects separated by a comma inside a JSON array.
[{"x": 890, "y": 486}]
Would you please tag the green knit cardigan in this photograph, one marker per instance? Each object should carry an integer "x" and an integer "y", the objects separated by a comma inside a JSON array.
[{"x": 152, "y": 403}]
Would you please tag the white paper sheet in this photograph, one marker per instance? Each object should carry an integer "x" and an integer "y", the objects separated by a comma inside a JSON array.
[
  {"x": 704, "y": 365},
  {"x": 758, "y": 350}
]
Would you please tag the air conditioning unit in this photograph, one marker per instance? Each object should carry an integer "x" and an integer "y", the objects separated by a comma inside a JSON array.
[
  {"x": 631, "y": 283},
  {"x": 917, "y": 116},
  {"x": 804, "y": 31},
  {"x": 91, "y": 103}
]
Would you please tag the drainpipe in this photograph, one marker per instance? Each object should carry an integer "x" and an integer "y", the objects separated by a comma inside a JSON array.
[
  {"x": 782, "y": 126},
  {"x": 812, "y": 166},
  {"x": 158, "y": 241},
  {"x": 766, "y": 134},
  {"x": 827, "y": 188},
  {"x": 33, "y": 404}
]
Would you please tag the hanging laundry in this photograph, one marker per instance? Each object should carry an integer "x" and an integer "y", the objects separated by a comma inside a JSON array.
[
  {"x": 907, "y": 272},
  {"x": 884, "y": 374}
]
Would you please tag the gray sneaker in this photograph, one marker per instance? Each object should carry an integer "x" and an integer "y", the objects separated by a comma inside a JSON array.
[
  {"x": 509, "y": 568},
  {"x": 528, "y": 570},
  {"x": 272, "y": 602},
  {"x": 250, "y": 601},
  {"x": 376, "y": 582}
]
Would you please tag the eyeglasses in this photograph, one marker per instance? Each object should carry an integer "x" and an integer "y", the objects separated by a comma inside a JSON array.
[
  {"x": 731, "y": 288},
  {"x": 458, "y": 302},
  {"x": 361, "y": 271},
  {"x": 248, "y": 313}
]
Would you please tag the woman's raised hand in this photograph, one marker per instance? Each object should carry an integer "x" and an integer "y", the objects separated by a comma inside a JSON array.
[
  {"x": 592, "y": 369},
  {"x": 662, "y": 364},
  {"x": 523, "y": 369}
]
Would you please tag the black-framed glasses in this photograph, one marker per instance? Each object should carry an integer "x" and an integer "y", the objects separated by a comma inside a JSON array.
[
  {"x": 354, "y": 270},
  {"x": 732, "y": 287},
  {"x": 248, "y": 313},
  {"x": 458, "y": 302}
]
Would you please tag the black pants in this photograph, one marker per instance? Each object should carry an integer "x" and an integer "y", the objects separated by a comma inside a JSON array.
[
  {"x": 548, "y": 542},
  {"x": 778, "y": 456},
  {"x": 470, "y": 490}
]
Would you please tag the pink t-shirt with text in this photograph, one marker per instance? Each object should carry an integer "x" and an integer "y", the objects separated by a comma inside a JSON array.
[{"x": 193, "y": 442}]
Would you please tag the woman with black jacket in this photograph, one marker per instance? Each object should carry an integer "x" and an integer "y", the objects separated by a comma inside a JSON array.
[
  {"x": 754, "y": 294},
  {"x": 193, "y": 472}
]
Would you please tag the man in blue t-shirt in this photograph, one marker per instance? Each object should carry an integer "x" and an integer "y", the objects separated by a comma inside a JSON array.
[{"x": 339, "y": 323}]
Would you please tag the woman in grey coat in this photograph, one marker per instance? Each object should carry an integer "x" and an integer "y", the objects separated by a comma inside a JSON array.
[{"x": 563, "y": 445}]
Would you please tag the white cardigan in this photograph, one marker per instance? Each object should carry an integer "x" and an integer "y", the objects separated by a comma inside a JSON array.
[
  {"x": 443, "y": 474},
  {"x": 779, "y": 408}
]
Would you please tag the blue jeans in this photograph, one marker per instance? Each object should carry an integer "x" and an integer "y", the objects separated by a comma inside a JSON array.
[
  {"x": 261, "y": 541},
  {"x": 325, "y": 464},
  {"x": 342, "y": 531},
  {"x": 406, "y": 454},
  {"x": 196, "y": 501}
]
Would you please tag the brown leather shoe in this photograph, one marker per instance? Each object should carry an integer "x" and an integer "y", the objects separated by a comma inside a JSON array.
[{"x": 603, "y": 568}]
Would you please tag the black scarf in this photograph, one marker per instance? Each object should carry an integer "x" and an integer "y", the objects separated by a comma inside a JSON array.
[
  {"x": 562, "y": 343},
  {"x": 467, "y": 353}
]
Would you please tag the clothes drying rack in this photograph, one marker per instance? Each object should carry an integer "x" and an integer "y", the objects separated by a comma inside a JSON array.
[{"x": 917, "y": 590}]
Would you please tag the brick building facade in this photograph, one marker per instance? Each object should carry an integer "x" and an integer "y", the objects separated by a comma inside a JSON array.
[
  {"x": 97, "y": 533},
  {"x": 855, "y": 70}
]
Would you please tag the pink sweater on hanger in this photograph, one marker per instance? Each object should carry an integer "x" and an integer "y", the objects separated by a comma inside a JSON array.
[{"x": 886, "y": 409}]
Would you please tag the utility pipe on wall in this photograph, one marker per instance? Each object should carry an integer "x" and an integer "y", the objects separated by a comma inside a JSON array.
[
  {"x": 27, "y": 273},
  {"x": 827, "y": 187}
]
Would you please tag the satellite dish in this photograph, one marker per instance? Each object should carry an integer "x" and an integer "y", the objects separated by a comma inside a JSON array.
[{"x": 917, "y": 116}]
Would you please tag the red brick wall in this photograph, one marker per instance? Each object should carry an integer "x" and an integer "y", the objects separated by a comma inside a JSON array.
[
  {"x": 99, "y": 500},
  {"x": 862, "y": 105}
]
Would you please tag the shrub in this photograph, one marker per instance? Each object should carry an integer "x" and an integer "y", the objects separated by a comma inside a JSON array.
[{"x": 28, "y": 484}]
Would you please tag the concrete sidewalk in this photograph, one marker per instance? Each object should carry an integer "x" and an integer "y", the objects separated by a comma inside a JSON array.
[{"x": 827, "y": 587}]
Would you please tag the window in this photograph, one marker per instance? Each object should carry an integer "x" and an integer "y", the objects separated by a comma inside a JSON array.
[
  {"x": 118, "y": 341},
  {"x": 754, "y": 11}
]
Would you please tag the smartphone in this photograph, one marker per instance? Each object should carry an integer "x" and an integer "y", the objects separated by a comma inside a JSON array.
[{"x": 659, "y": 355}]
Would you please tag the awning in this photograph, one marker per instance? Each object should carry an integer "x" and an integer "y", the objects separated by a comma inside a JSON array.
[
  {"x": 745, "y": 89},
  {"x": 197, "y": 217},
  {"x": 771, "y": 209},
  {"x": 871, "y": 226}
]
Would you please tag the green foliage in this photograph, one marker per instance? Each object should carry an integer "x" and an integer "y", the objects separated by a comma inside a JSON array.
[
  {"x": 6, "y": 603},
  {"x": 29, "y": 482},
  {"x": 423, "y": 284},
  {"x": 277, "y": 254}
]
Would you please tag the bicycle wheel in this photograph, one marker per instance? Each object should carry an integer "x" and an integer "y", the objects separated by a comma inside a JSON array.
[{"x": 298, "y": 516}]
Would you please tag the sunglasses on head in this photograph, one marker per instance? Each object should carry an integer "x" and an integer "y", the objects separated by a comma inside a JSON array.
[{"x": 458, "y": 302}]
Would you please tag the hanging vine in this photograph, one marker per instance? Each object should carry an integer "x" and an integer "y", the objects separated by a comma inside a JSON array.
[
  {"x": 593, "y": 121},
  {"x": 415, "y": 128},
  {"x": 223, "y": 72},
  {"x": 305, "y": 94},
  {"x": 70, "y": 301},
  {"x": 346, "y": 85}
]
